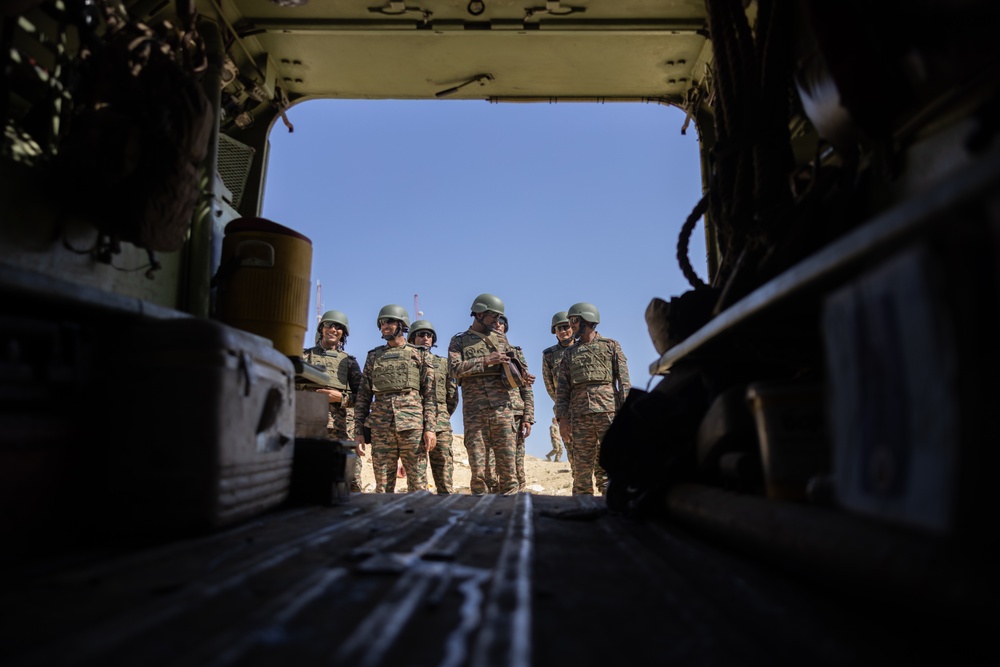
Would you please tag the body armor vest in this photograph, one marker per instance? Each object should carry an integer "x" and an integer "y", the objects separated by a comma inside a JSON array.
[
  {"x": 474, "y": 347},
  {"x": 441, "y": 379},
  {"x": 591, "y": 363},
  {"x": 557, "y": 352},
  {"x": 394, "y": 370},
  {"x": 337, "y": 365}
]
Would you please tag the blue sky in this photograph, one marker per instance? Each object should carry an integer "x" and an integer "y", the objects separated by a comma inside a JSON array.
[{"x": 543, "y": 205}]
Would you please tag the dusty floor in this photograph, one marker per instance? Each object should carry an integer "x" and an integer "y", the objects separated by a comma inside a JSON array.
[
  {"x": 420, "y": 579},
  {"x": 542, "y": 477}
]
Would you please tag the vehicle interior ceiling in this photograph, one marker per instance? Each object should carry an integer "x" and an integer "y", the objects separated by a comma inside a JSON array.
[
  {"x": 823, "y": 104},
  {"x": 813, "y": 119},
  {"x": 810, "y": 120}
]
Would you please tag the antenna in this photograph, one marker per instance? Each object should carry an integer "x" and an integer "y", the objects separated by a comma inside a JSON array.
[
  {"x": 319, "y": 302},
  {"x": 416, "y": 307}
]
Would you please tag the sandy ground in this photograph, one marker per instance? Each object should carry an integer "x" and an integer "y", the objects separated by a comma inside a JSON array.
[{"x": 542, "y": 477}]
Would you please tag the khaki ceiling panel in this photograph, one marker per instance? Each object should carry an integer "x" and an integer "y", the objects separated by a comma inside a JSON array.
[{"x": 418, "y": 64}]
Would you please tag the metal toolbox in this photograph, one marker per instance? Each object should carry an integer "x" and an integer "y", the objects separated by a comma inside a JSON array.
[{"x": 203, "y": 427}]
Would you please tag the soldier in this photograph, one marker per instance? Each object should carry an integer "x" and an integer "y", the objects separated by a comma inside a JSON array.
[
  {"x": 345, "y": 378},
  {"x": 551, "y": 356},
  {"x": 591, "y": 384},
  {"x": 523, "y": 401},
  {"x": 422, "y": 334},
  {"x": 396, "y": 401},
  {"x": 475, "y": 356},
  {"x": 557, "y": 445}
]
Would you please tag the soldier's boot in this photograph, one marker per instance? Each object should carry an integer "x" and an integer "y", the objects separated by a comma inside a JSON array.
[{"x": 548, "y": 457}]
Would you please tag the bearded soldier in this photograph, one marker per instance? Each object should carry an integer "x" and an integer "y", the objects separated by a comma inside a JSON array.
[
  {"x": 422, "y": 334},
  {"x": 396, "y": 401},
  {"x": 551, "y": 356},
  {"x": 475, "y": 357},
  {"x": 591, "y": 384},
  {"x": 344, "y": 379}
]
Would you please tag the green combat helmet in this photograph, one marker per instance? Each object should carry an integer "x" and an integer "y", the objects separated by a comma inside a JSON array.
[
  {"x": 486, "y": 302},
  {"x": 393, "y": 312},
  {"x": 336, "y": 317},
  {"x": 422, "y": 325},
  {"x": 562, "y": 317},
  {"x": 585, "y": 311}
]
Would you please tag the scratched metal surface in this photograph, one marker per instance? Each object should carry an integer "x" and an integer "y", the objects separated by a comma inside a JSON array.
[{"x": 427, "y": 580}]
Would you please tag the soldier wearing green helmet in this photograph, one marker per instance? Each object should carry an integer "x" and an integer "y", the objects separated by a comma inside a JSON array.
[
  {"x": 475, "y": 357},
  {"x": 393, "y": 313},
  {"x": 422, "y": 334},
  {"x": 592, "y": 382},
  {"x": 344, "y": 380},
  {"x": 396, "y": 402},
  {"x": 551, "y": 356}
]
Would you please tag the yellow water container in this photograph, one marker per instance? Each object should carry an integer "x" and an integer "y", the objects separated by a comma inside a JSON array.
[{"x": 263, "y": 282}]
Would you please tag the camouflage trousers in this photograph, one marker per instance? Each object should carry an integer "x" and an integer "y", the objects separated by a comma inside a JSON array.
[
  {"x": 340, "y": 426},
  {"x": 491, "y": 471},
  {"x": 588, "y": 430},
  {"x": 389, "y": 446},
  {"x": 443, "y": 462},
  {"x": 491, "y": 466},
  {"x": 519, "y": 455},
  {"x": 491, "y": 431}
]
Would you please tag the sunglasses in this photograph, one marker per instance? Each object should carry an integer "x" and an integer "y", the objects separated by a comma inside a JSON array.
[
  {"x": 333, "y": 325},
  {"x": 423, "y": 334},
  {"x": 575, "y": 319},
  {"x": 563, "y": 327}
]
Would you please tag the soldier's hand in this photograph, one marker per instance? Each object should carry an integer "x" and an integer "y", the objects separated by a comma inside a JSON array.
[
  {"x": 360, "y": 439},
  {"x": 564, "y": 430},
  {"x": 361, "y": 448},
  {"x": 494, "y": 358},
  {"x": 430, "y": 440},
  {"x": 333, "y": 395},
  {"x": 527, "y": 429}
]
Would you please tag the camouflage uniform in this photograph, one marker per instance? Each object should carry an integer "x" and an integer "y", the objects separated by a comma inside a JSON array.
[
  {"x": 487, "y": 411},
  {"x": 442, "y": 458},
  {"x": 490, "y": 472},
  {"x": 345, "y": 375},
  {"x": 557, "y": 445},
  {"x": 551, "y": 356},
  {"x": 585, "y": 395},
  {"x": 401, "y": 382},
  {"x": 523, "y": 402}
]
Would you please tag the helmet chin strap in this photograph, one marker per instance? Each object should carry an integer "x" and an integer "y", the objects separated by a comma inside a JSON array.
[{"x": 398, "y": 330}]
